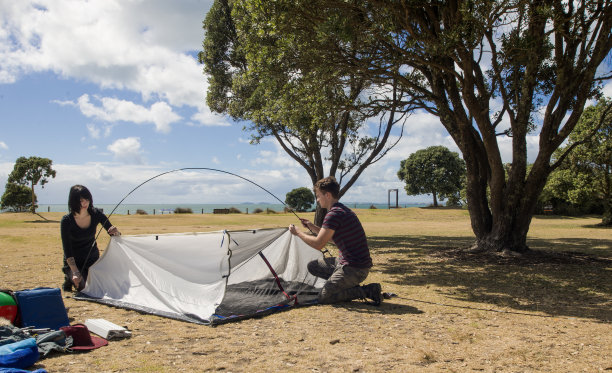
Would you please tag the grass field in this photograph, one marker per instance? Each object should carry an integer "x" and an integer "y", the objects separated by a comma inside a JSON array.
[{"x": 455, "y": 312}]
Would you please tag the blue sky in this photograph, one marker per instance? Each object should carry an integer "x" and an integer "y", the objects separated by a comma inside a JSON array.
[{"x": 112, "y": 92}]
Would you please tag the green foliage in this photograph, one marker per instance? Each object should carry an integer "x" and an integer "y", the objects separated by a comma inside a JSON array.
[
  {"x": 583, "y": 181},
  {"x": 17, "y": 197},
  {"x": 300, "y": 199},
  {"x": 183, "y": 210},
  {"x": 234, "y": 210},
  {"x": 274, "y": 80},
  {"x": 492, "y": 71},
  {"x": 31, "y": 171},
  {"x": 434, "y": 170}
]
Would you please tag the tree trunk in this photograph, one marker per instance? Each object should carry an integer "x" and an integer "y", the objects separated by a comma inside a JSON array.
[
  {"x": 607, "y": 215},
  {"x": 33, "y": 207},
  {"x": 435, "y": 200},
  {"x": 319, "y": 215}
]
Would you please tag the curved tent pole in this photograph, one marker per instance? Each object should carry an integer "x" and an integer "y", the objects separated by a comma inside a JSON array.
[{"x": 184, "y": 169}]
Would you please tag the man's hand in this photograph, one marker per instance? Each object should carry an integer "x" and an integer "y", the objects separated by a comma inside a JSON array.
[
  {"x": 113, "y": 231},
  {"x": 305, "y": 222},
  {"x": 293, "y": 229}
]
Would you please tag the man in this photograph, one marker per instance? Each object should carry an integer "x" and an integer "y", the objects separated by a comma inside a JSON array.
[{"x": 351, "y": 267}]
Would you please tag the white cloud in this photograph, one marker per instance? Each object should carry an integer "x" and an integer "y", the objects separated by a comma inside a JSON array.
[
  {"x": 3, "y": 145},
  {"x": 140, "y": 46},
  {"x": 94, "y": 132},
  {"x": 607, "y": 90},
  {"x": 114, "y": 110},
  {"x": 127, "y": 150}
]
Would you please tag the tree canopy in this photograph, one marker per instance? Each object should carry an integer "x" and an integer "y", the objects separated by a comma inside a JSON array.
[
  {"x": 16, "y": 197},
  {"x": 300, "y": 199},
  {"x": 435, "y": 170},
  {"x": 318, "y": 115},
  {"x": 492, "y": 71},
  {"x": 585, "y": 175},
  {"x": 31, "y": 171}
]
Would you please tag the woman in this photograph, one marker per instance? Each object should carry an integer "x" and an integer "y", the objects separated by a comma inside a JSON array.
[{"x": 78, "y": 229}]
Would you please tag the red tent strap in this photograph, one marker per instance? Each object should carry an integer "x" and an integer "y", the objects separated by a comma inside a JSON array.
[{"x": 278, "y": 283}]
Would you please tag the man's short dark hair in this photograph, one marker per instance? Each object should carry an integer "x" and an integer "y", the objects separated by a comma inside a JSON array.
[{"x": 328, "y": 184}]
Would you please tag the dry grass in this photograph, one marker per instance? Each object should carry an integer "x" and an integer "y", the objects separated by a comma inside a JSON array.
[{"x": 454, "y": 312}]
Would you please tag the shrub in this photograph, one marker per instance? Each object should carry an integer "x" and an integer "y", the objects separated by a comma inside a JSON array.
[
  {"x": 257, "y": 211},
  {"x": 141, "y": 212},
  {"x": 372, "y": 207},
  {"x": 183, "y": 210},
  {"x": 233, "y": 210},
  {"x": 270, "y": 211}
]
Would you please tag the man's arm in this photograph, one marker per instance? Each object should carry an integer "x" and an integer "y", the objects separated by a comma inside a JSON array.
[{"x": 318, "y": 242}]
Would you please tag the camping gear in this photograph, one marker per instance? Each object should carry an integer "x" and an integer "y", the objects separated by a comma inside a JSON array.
[
  {"x": 52, "y": 341},
  {"x": 8, "y": 307},
  {"x": 82, "y": 338},
  {"x": 205, "y": 278},
  {"x": 107, "y": 329},
  {"x": 21, "y": 354},
  {"x": 42, "y": 308}
]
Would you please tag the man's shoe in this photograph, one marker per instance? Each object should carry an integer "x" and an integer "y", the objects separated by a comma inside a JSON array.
[{"x": 374, "y": 292}]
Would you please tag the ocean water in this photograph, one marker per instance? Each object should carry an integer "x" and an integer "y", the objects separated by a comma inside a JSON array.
[{"x": 200, "y": 208}]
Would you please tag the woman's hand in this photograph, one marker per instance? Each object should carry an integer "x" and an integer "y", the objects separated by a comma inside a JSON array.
[
  {"x": 76, "y": 279},
  {"x": 113, "y": 231}
]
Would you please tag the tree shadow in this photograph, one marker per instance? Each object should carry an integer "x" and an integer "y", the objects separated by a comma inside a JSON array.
[
  {"x": 566, "y": 281},
  {"x": 44, "y": 220}
]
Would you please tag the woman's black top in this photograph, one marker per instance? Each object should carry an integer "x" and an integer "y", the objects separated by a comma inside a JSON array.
[{"x": 78, "y": 242}]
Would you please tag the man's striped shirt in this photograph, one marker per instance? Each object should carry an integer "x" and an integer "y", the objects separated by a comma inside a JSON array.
[{"x": 349, "y": 236}]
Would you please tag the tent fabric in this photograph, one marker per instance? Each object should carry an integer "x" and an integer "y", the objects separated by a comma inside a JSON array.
[{"x": 206, "y": 277}]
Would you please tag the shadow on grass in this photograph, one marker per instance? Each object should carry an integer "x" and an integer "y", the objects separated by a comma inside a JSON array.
[
  {"x": 388, "y": 307},
  {"x": 557, "y": 278},
  {"x": 44, "y": 220}
]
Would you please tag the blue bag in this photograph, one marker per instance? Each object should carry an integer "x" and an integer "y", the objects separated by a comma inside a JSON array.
[
  {"x": 20, "y": 354},
  {"x": 42, "y": 308}
]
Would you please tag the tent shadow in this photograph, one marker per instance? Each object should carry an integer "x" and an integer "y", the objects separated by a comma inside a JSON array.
[{"x": 568, "y": 278}]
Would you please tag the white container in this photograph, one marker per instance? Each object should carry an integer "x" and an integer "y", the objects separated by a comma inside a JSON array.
[{"x": 107, "y": 329}]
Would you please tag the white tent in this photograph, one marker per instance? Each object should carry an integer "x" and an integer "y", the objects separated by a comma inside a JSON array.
[{"x": 205, "y": 277}]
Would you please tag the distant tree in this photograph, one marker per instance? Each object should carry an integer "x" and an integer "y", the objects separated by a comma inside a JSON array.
[
  {"x": 16, "y": 197},
  {"x": 31, "y": 171},
  {"x": 585, "y": 174},
  {"x": 300, "y": 199},
  {"x": 434, "y": 170}
]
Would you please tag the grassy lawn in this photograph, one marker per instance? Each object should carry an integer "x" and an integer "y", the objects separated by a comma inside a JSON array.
[{"x": 454, "y": 311}]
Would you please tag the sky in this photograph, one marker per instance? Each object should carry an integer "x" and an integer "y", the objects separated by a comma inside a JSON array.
[{"x": 111, "y": 91}]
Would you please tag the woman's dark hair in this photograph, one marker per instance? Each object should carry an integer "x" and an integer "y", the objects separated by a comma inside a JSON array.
[{"x": 74, "y": 198}]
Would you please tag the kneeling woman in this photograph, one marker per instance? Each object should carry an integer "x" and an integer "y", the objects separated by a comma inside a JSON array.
[{"x": 78, "y": 229}]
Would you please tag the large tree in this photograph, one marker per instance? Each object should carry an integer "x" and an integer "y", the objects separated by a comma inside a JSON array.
[
  {"x": 585, "y": 174},
  {"x": 317, "y": 114},
  {"x": 31, "y": 171},
  {"x": 435, "y": 170},
  {"x": 492, "y": 71}
]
